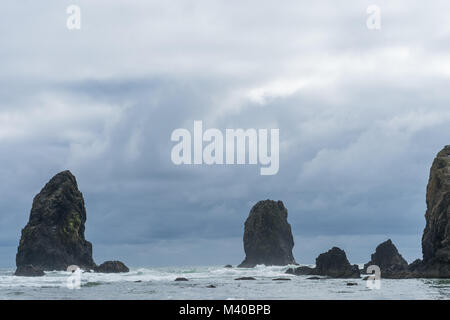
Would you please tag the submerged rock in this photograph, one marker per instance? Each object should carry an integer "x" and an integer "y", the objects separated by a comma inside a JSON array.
[
  {"x": 112, "y": 267},
  {"x": 29, "y": 271},
  {"x": 281, "y": 279},
  {"x": 389, "y": 260},
  {"x": 181, "y": 279},
  {"x": 54, "y": 239},
  {"x": 267, "y": 237},
  {"x": 245, "y": 278},
  {"x": 300, "y": 271},
  {"x": 436, "y": 236},
  {"x": 334, "y": 264},
  {"x": 228, "y": 266}
]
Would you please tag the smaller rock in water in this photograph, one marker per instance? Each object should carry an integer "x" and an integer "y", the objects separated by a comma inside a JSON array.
[
  {"x": 112, "y": 267},
  {"x": 181, "y": 279},
  {"x": 29, "y": 271},
  {"x": 314, "y": 278},
  {"x": 300, "y": 271},
  {"x": 351, "y": 284},
  {"x": 211, "y": 286},
  {"x": 228, "y": 266},
  {"x": 389, "y": 260},
  {"x": 281, "y": 279},
  {"x": 334, "y": 264},
  {"x": 245, "y": 278}
]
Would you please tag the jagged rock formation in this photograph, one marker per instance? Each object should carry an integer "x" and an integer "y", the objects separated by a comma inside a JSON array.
[
  {"x": 333, "y": 264},
  {"x": 29, "y": 271},
  {"x": 267, "y": 237},
  {"x": 389, "y": 260},
  {"x": 436, "y": 236},
  {"x": 54, "y": 239},
  {"x": 112, "y": 267}
]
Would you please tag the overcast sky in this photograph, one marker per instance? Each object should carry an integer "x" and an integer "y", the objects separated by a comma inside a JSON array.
[{"x": 361, "y": 113}]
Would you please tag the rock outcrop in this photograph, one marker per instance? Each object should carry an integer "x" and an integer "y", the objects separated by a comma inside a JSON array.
[
  {"x": 29, "y": 271},
  {"x": 245, "y": 278},
  {"x": 112, "y": 267},
  {"x": 54, "y": 239},
  {"x": 300, "y": 271},
  {"x": 267, "y": 237},
  {"x": 333, "y": 264},
  {"x": 180, "y": 279},
  {"x": 436, "y": 236},
  {"x": 389, "y": 260}
]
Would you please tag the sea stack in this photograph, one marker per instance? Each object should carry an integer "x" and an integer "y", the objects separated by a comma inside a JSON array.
[
  {"x": 389, "y": 260},
  {"x": 267, "y": 236},
  {"x": 436, "y": 236},
  {"x": 333, "y": 264},
  {"x": 54, "y": 239}
]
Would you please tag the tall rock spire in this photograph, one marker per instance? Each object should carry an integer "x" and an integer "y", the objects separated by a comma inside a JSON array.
[
  {"x": 436, "y": 236},
  {"x": 54, "y": 239},
  {"x": 267, "y": 237}
]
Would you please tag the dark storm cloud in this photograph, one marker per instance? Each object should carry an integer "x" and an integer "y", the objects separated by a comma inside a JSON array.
[{"x": 361, "y": 115}]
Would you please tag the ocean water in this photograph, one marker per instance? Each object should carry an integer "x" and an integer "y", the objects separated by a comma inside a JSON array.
[{"x": 158, "y": 283}]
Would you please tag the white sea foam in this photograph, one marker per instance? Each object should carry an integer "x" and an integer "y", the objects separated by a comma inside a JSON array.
[{"x": 158, "y": 283}]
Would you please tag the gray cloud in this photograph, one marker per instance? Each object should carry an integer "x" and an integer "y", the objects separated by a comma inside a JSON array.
[{"x": 361, "y": 116}]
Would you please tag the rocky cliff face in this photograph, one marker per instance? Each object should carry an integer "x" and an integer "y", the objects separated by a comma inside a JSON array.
[
  {"x": 54, "y": 239},
  {"x": 267, "y": 237},
  {"x": 436, "y": 236},
  {"x": 389, "y": 260}
]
